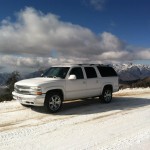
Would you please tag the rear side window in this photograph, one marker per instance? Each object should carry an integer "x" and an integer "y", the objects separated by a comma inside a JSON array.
[
  {"x": 107, "y": 71},
  {"x": 90, "y": 72},
  {"x": 78, "y": 72}
]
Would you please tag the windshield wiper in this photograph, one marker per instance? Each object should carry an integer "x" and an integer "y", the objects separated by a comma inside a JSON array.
[{"x": 53, "y": 77}]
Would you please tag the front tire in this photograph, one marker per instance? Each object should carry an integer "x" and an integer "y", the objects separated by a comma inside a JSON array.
[
  {"x": 53, "y": 102},
  {"x": 106, "y": 96}
]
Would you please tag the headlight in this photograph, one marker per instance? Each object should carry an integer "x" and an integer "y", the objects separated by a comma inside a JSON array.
[{"x": 35, "y": 90}]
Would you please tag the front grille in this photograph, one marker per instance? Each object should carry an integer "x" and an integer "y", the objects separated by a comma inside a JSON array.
[{"x": 22, "y": 89}]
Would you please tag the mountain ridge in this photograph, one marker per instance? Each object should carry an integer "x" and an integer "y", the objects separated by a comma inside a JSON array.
[
  {"x": 126, "y": 72},
  {"x": 132, "y": 72}
]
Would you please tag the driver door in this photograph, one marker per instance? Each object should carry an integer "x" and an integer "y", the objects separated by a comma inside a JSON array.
[{"x": 76, "y": 88}]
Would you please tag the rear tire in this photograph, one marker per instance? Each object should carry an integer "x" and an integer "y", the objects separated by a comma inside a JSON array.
[
  {"x": 53, "y": 102},
  {"x": 106, "y": 96}
]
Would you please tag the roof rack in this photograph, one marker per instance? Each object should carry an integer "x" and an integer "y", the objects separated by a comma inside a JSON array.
[
  {"x": 94, "y": 64},
  {"x": 104, "y": 65},
  {"x": 86, "y": 64}
]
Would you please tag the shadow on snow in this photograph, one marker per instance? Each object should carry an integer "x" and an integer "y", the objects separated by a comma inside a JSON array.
[{"x": 93, "y": 105}]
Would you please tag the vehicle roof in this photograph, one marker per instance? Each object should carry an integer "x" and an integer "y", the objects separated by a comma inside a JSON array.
[{"x": 74, "y": 65}]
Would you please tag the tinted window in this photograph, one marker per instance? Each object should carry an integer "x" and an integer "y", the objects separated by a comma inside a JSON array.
[
  {"x": 78, "y": 72},
  {"x": 90, "y": 72},
  {"x": 107, "y": 71}
]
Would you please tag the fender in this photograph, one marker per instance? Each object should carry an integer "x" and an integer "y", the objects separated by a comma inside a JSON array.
[{"x": 55, "y": 88}]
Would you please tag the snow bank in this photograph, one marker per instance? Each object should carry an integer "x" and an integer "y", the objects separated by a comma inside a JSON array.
[{"x": 132, "y": 91}]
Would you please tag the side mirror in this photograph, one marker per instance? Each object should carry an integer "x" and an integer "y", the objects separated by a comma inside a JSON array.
[
  {"x": 42, "y": 75},
  {"x": 72, "y": 77}
]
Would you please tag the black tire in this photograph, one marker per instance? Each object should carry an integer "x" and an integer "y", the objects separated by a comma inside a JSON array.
[
  {"x": 53, "y": 102},
  {"x": 106, "y": 96}
]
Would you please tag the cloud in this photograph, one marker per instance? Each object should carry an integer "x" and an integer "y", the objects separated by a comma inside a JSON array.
[
  {"x": 38, "y": 34},
  {"x": 1, "y": 68},
  {"x": 38, "y": 39},
  {"x": 113, "y": 55},
  {"x": 98, "y": 4},
  {"x": 27, "y": 64},
  {"x": 143, "y": 54}
]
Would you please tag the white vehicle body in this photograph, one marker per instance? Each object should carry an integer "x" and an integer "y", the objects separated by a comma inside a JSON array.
[{"x": 33, "y": 91}]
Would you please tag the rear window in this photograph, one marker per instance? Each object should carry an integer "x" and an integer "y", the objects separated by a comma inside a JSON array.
[{"x": 107, "y": 71}]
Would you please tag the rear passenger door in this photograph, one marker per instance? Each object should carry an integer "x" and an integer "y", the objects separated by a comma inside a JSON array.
[{"x": 93, "y": 86}]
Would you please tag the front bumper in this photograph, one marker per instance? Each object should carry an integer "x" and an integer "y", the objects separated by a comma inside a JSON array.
[{"x": 35, "y": 100}]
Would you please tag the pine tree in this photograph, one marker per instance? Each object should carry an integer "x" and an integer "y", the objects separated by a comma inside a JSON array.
[
  {"x": 14, "y": 77},
  {"x": 7, "y": 95}
]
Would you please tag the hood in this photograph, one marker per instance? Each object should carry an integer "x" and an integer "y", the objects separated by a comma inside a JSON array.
[{"x": 36, "y": 81}]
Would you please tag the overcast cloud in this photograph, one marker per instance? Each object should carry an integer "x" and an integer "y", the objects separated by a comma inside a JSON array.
[{"x": 38, "y": 39}]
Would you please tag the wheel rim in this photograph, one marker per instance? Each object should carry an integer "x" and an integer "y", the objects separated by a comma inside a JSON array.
[
  {"x": 54, "y": 102},
  {"x": 107, "y": 95}
]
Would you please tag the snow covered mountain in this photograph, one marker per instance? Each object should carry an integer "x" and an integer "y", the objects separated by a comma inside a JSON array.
[
  {"x": 131, "y": 72},
  {"x": 126, "y": 72}
]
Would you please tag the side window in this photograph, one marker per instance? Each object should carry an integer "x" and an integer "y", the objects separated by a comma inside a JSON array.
[
  {"x": 78, "y": 72},
  {"x": 90, "y": 72},
  {"x": 107, "y": 71}
]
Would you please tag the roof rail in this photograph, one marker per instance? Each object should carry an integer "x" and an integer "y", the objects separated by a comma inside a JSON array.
[
  {"x": 91, "y": 64},
  {"x": 104, "y": 65},
  {"x": 84, "y": 64}
]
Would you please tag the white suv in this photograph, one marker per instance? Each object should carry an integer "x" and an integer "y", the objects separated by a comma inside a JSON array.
[{"x": 65, "y": 83}]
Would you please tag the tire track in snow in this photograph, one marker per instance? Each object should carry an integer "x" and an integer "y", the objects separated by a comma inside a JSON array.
[{"x": 32, "y": 124}]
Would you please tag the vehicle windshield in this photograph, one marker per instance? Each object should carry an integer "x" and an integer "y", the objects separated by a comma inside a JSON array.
[{"x": 56, "y": 72}]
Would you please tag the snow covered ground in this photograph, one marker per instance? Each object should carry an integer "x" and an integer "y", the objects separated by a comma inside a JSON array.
[{"x": 82, "y": 124}]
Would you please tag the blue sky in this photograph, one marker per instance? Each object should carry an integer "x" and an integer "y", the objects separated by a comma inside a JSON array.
[
  {"x": 125, "y": 23},
  {"x": 128, "y": 19}
]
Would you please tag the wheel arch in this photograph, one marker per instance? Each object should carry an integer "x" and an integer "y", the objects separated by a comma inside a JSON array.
[
  {"x": 60, "y": 91},
  {"x": 53, "y": 107},
  {"x": 109, "y": 86},
  {"x": 102, "y": 97}
]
